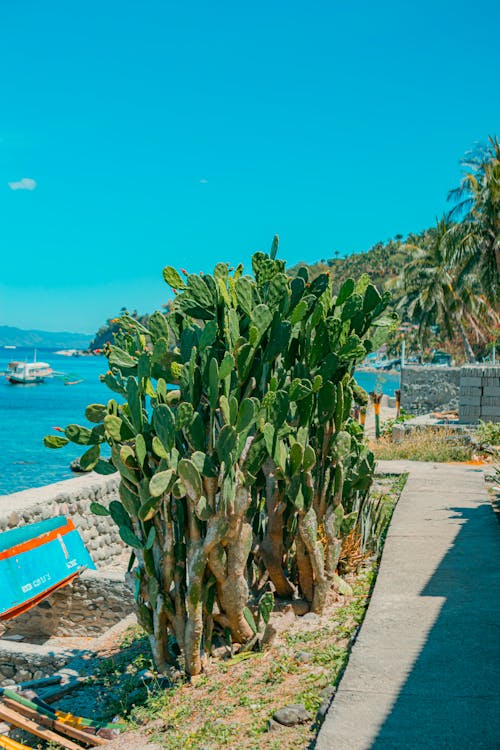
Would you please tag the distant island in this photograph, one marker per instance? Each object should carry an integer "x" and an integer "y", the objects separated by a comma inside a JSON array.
[{"x": 10, "y": 336}]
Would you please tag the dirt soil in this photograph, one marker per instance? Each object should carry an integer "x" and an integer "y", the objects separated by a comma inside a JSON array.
[{"x": 232, "y": 703}]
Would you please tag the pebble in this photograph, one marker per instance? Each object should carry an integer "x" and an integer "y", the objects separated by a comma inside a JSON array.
[
  {"x": 303, "y": 656},
  {"x": 311, "y": 617},
  {"x": 328, "y": 692},
  {"x": 300, "y": 607},
  {"x": 273, "y": 726},
  {"x": 291, "y": 715}
]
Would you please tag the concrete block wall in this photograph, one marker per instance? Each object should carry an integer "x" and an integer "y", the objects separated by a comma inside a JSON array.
[
  {"x": 70, "y": 498},
  {"x": 479, "y": 396}
]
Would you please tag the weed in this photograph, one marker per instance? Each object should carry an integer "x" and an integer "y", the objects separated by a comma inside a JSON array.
[{"x": 388, "y": 424}]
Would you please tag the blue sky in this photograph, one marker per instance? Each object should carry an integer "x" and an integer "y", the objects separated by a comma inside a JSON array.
[{"x": 186, "y": 133}]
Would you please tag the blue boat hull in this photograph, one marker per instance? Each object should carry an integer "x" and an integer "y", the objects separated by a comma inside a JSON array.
[{"x": 36, "y": 560}]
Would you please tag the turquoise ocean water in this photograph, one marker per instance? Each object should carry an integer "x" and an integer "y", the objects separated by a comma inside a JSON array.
[{"x": 28, "y": 412}]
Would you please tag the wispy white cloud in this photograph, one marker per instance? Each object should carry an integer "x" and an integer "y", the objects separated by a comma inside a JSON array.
[
  {"x": 25, "y": 183},
  {"x": 203, "y": 181}
]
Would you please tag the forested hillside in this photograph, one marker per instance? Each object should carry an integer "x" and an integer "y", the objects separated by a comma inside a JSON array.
[
  {"x": 384, "y": 263},
  {"x": 445, "y": 280}
]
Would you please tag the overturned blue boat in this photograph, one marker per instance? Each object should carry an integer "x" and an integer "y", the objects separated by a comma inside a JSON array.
[{"x": 36, "y": 560}]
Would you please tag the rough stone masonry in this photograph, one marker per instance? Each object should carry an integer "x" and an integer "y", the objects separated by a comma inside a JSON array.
[
  {"x": 473, "y": 390},
  {"x": 95, "y": 602},
  {"x": 426, "y": 389},
  {"x": 70, "y": 498}
]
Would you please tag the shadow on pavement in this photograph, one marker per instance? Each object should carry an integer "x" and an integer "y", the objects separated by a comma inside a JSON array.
[{"x": 451, "y": 698}]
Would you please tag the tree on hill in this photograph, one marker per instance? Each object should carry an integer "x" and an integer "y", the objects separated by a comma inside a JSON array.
[
  {"x": 477, "y": 210},
  {"x": 105, "y": 334},
  {"x": 383, "y": 263},
  {"x": 431, "y": 296},
  {"x": 446, "y": 279}
]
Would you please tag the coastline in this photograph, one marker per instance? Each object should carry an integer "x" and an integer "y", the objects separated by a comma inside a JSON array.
[{"x": 368, "y": 368}]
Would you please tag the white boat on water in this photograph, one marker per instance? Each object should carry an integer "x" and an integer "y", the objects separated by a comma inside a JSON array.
[{"x": 28, "y": 372}]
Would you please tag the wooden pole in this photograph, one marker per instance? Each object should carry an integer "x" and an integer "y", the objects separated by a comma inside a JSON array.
[
  {"x": 6, "y": 743},
  {"x": 15, "y": 719},
  {"x": 87, "y": 737},
  {"x": 397, "y": 393}
]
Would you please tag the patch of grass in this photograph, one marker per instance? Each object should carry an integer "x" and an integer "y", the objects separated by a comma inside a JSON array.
[
  {"x": 398, "y": 483},
  {"x": 428, "y": 444},
  {"x": 231, "y": 704},
  {"x": 118, "y": 679}
]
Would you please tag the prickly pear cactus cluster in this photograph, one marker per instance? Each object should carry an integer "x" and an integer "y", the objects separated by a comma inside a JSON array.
[{"x": 239, "y": 462}]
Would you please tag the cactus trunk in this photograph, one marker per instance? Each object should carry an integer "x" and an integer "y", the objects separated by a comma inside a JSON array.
[{"x": 272, "y": 548}]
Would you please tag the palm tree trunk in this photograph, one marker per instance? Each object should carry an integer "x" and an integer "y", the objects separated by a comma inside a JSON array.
[{"x": 465, "y": 341}]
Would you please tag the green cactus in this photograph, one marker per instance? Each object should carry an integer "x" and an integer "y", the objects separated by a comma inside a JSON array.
[{"x": 239, "y": 466}]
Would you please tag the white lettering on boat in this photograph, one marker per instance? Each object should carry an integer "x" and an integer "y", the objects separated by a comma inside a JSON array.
[{"x": 36, "y": 583}]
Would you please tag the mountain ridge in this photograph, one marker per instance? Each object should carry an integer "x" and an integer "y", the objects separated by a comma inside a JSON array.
[{"x": 12, "y": 336}]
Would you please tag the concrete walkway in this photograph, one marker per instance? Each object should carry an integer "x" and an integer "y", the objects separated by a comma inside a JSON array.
[{"x": 425, "y": 669}]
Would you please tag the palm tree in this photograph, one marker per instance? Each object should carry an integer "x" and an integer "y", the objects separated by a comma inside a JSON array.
[
  {"x": 476, "y": 236},
  {"x": 431, "y": 295}
]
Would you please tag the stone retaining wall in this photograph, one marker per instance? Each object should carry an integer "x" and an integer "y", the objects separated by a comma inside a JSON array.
[
  {"x": 24, "y": 661},
  {"x": 426, "y": 389},
  {"x": 95, "y": 602},
  {"x": 480, "y": 393},
  {"x": 71, "y": 498}
]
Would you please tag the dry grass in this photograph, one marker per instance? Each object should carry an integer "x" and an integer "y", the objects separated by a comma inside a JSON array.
[
  {"x": 428, "y": 444},
  {"x": 352, "y": 555}
]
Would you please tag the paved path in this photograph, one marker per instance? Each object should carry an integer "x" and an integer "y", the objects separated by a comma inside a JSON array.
[{"x": 425, "y": 669}]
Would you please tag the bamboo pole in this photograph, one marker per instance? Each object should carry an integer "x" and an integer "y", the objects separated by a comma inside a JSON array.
[
  {"x": 7, "y": 743},
  {"x": 16, "y": 719}
]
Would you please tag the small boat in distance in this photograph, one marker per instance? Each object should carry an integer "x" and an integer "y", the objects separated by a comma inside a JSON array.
[
  {"x": 28, "y": 372},
  {"x": 9, "y": 346}
]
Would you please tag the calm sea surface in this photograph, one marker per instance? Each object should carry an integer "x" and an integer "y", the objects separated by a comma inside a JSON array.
[{"x": 28, "y": 412}]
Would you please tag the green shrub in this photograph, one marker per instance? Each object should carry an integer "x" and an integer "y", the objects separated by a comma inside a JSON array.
[{"x": 489, "y": 432}]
